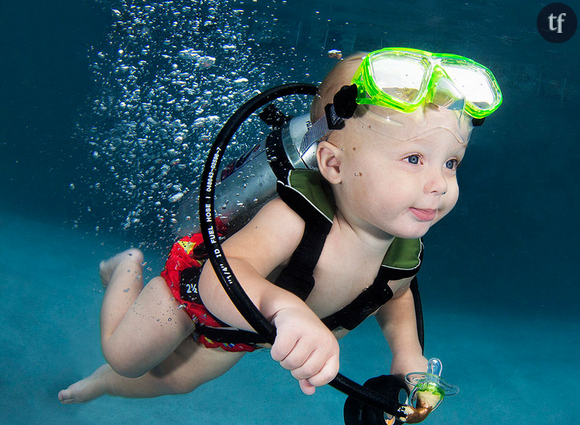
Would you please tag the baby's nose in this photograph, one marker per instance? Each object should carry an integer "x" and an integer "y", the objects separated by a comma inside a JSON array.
[{"x": 436, "y": 183}]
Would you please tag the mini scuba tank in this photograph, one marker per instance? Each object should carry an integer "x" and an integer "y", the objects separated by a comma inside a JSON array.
[
  {"x": 245, "y": 184},
  {"x": 248, "y": 182}
]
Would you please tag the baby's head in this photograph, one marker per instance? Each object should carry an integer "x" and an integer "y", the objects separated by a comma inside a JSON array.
[{"x": 392, "y": 165}]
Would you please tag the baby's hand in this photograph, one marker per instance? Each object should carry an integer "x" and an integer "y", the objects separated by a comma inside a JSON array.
[{"x": 305, "y": 346}]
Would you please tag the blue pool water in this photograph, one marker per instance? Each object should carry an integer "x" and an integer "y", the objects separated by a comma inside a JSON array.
[{"x": 106, "y": 110}]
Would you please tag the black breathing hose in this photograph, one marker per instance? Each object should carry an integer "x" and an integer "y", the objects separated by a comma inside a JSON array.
[{"x": 219, "y": 262}]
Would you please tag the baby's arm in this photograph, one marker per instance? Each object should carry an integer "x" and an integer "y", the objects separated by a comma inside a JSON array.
[
  {"x": 399, "y": 325},
  {"x": 303, "y": 344}
]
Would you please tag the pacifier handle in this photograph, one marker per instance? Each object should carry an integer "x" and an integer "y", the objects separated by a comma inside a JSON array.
[{"x": 434, "y": 366}]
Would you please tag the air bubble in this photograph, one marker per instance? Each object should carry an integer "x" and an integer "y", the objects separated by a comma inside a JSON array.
[
  {"x": 189, "y": 54},
  {"x": 176, "y": 197},
  {"x": 241, "y": 81},
  {"x": 167, "y": 75},
  {"x": 206, "y": 61}
]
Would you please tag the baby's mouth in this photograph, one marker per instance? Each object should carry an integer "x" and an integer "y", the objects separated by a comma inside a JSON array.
[{"x": 424, "y": 214}]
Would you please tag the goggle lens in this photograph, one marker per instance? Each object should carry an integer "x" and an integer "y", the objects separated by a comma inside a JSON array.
[
  {"x": 474, "y": 83},
  {"x": 399, "y": 77}
]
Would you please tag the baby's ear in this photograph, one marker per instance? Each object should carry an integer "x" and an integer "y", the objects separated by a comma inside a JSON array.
[{"x": 329, "y": 160}]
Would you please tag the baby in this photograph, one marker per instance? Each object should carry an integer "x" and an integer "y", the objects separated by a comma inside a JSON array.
[{"x": 382, "y": 181}]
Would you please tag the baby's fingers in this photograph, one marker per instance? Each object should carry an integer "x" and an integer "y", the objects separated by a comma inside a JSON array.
[
  {"x": 317, "y": 370},
  {"x": 282, "y": 348},
  {"x": 323, "y": 377},
  {"x": 306, "y": 387}
]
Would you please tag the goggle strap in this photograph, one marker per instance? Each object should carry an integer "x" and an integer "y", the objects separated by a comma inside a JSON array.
[
  {"x": 343, "y": 107},
  {"x": 333, "y": 120},
  {"x": 319, "y": 129}
]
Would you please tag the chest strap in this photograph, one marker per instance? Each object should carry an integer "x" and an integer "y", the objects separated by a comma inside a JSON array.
[{"x": 369, "y": 300}]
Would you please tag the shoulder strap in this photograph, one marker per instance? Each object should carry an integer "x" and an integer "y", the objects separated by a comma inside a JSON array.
[{"x": 304, "y": 193}]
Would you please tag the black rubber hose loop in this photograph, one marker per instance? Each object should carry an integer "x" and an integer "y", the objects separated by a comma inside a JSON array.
[{"x": 217, "y": 257}]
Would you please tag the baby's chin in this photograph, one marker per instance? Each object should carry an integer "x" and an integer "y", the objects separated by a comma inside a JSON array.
[
  {"x": 420, "y": 229},
  {"x": 416, "y": 232}
]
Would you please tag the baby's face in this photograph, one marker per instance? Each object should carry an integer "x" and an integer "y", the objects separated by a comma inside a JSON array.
[{"x": 401, "y": 178}]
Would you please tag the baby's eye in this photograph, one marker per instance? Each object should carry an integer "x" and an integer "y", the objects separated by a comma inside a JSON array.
[
  {"x": 452, "y": 164},
  {"x": 413, "y": 159}
]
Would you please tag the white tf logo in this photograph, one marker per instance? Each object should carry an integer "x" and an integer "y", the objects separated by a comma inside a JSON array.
[
  {"x": 557, "y": 22},
  {"x": 559, "y": 19}
]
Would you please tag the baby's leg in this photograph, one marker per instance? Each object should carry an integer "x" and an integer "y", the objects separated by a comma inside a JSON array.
[
  {"x": 139, "y": 339},
  {"x": 140, "y": 327},
  {"x": 122, "y": 278},
  {"x": 189, "y": 366}
]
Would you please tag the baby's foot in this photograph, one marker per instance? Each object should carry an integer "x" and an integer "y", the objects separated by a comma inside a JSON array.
[
  {"x": 107, "y": 267},
  {"x": 86, "y": 389}
]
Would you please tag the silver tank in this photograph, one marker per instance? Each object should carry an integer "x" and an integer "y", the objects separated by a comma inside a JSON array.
[{"x": 248, "y": 182}]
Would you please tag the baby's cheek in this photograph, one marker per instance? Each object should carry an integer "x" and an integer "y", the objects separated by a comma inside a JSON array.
[
  {"x": 451, "y": 200},
  {"x": 448, "y": 203}
]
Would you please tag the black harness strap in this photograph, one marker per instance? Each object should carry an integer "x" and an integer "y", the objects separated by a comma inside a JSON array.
[
  {"x": 297, "y": 277},
  {"x": 348, "y": 317},
  {"x": 368, "y": 301},
  {"x": 418, "y": 312},
  {"x": 372, "y": 298},
  {"x": 230, "y": 335}
]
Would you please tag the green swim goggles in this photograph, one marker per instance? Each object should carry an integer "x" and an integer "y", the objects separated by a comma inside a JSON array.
[{"x": 403, "y": 79}]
